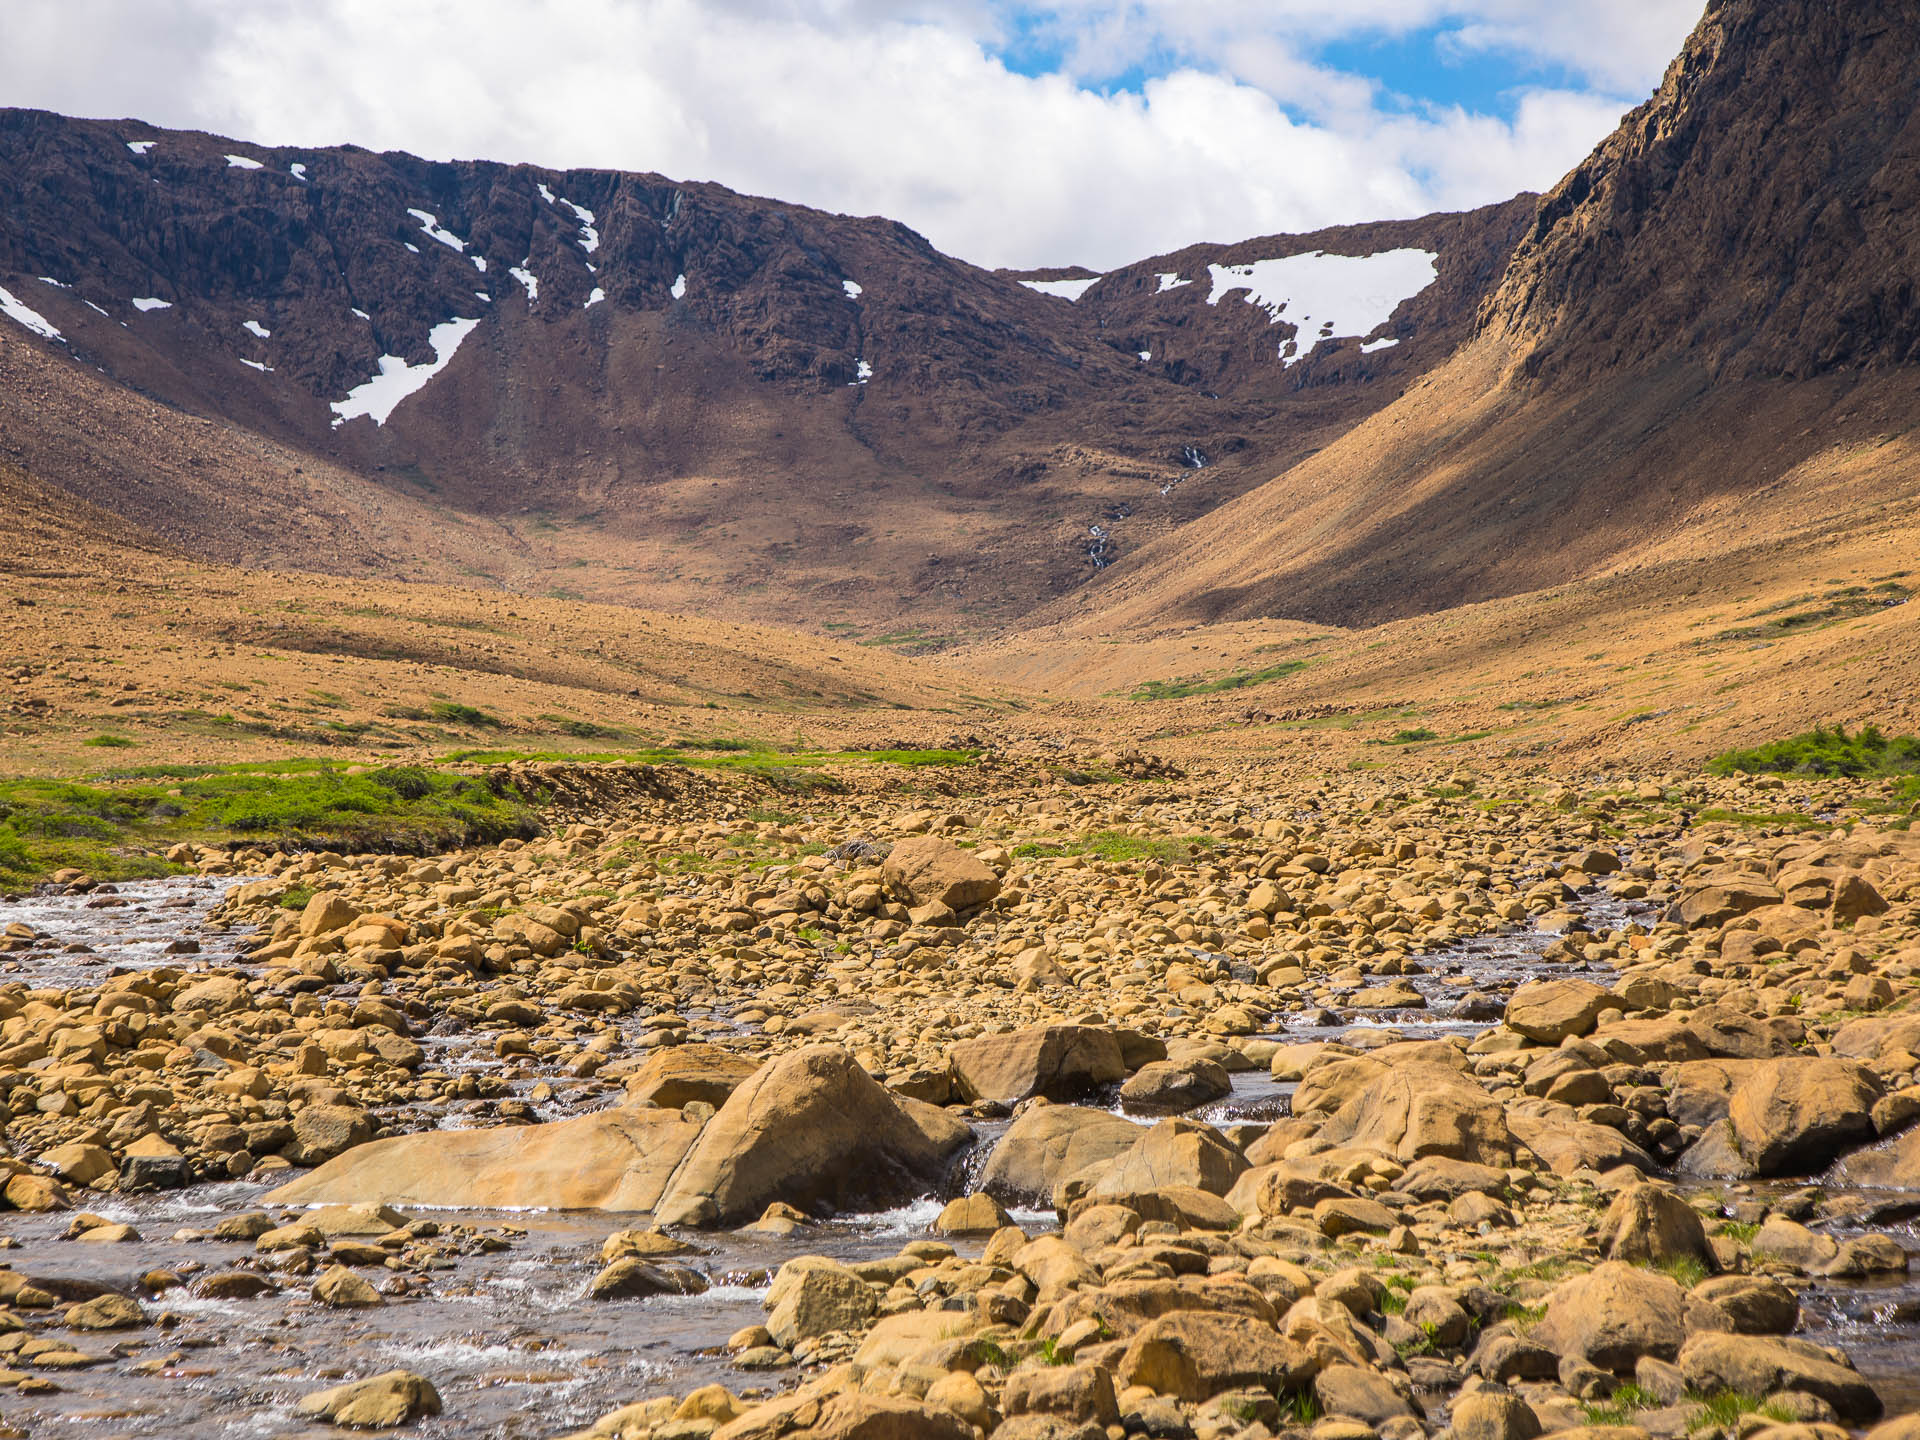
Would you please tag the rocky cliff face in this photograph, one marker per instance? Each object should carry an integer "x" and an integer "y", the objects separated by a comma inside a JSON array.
[
  {"x": 1758, "y": 215},
  {"x": 682, "y": 395}
]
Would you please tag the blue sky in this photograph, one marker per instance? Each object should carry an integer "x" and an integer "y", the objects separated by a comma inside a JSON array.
[
  {"x": 1413, "y": 69},
  {"x": 1087, "y": 132}
]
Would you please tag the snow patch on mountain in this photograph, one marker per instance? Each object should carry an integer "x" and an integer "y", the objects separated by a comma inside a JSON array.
[
  {"x": 589, "y": 237},
  {"x": 397, "y": 380},
  {"x": 430, "y": 224},
  {"x": 1327, "y": 297},
  {"x": 18, "y": 311}
]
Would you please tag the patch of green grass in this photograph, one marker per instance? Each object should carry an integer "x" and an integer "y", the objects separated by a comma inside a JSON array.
[
  {"x": 296, "y": 898},
  {"x": 452, "y": 712},
  {"x": 1300, "y": 1410},
  {"x": 582, "y": 729},
  {"x": 1741, "y": 1230},
  {"x": 1407, "y": 737},
  {"x": 1626, "y": 1401},
  {"x": 1821, "y": 751},
  {"x": 1686, "y": 1271},
  {"x": 1759, "y": 817},
  {"x": 1722, "y": 1409},
  {"x": 110, "y": 742},
  {"x": 1113, "y": 845},
  {"x": 1238, "y": 680},
  {"x": 1845, "y": 602},
  {"x": 112, "y": 830}
]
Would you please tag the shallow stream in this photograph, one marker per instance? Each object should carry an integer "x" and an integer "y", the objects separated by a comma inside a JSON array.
[{"x": 510, "y": 1338}]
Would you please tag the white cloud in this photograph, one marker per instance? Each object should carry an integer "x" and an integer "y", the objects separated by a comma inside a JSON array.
[{"x": 894, "y": 107}]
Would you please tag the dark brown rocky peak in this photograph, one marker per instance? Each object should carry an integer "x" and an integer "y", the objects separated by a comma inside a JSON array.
[
  {"x": 1760, "y": 214},
  {"x": 1341, "y": 306}
]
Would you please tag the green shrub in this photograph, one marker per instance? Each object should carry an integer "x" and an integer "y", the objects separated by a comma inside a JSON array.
[
  {"x": 1821, "y": 751},
  {"x": 110, "y": 742}
]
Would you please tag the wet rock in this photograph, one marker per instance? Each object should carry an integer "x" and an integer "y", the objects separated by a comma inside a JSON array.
[
  {"x": 1046, "y": 1144},
  {"x": 1175, "y": 1085},
  {"x": 341, "y": 1289},
  {"x": 232, "y": 1285},
  {"x": 617, "y": 1159},
  {"x": 811, "y": 1127},
  {"x": 1794, "y": 1116},
  {"x": 1550, "y": 1010},
  {"x": 398, "y": 1397},
  {"x": 630, "y": 1278},
  {"x": 1059, "y": 1062},
  {"x": 1174, "y": 1152},
  {"x": 106, "y": 1312},
  {"x": 976, "y": 1214}
]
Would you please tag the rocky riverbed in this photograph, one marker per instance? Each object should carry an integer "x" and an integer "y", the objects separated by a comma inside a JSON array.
[{"x": 1344, "y": 1108}]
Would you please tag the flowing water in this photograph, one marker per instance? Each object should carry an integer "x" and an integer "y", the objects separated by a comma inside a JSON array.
[{"x": 510, "y": 1338}]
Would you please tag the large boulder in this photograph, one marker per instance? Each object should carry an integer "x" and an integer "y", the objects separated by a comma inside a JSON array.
[
  {"x": 1060, "y": 1062},
  {"x": 381, "y": 1403},
  {"x": 1174, "y": 1152},
  {"x": 1724, "y": 897},
  {"x": 1613, "y": 1315},
  {"x": 1567, "y": 1143},
  {"x": 930, "y": 871},
  {"x": 1761, "y": 1364},
  {"x": 1650, "y": 1225},
  {"x": 321, "y": 1132},
  {"x": 617, "y": 1159},
  {"x": 1894, "y": 1166},
  {"x": 1551, "y": 1010},
  {"x": 809, "y": 1128},
  {"x": 1046, "y": 1144},
  {"x": 1176, "y": 1085},
  {"x": 1792, "y": 1117},
  {"x": 1418, "y": 1109},
  {"x": 815, "y": 1296},
  {"x": 681, "y": 1074},
  {"x": 1749, "y": 1304},
  {"x": 1195, "y": 1354}
]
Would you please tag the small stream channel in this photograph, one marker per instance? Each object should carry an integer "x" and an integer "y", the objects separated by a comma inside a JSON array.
[{"x": 516, "y": 1348}]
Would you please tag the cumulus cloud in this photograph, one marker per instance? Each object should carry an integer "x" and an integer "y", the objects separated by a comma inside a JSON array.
[{"x": 905, "y": 108}]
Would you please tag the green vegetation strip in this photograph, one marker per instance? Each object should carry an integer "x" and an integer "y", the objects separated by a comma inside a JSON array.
[
  {"x": 116, "y": 824},
  {"x": 1114, "y": 845},
  {"x": 1821, "y": 751},
  {"x": 114, "y": 831},
  {"x": 1238, "y": 680}
]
